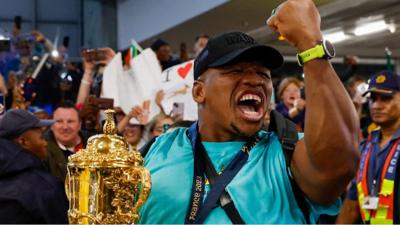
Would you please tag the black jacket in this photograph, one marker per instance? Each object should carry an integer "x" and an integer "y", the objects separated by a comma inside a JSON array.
[
  {"x": 28, "y": 194},
  {"x": 56, "y": 162}
]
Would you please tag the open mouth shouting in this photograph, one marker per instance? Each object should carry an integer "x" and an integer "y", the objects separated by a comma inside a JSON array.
[{"x": 250, "y": 105}]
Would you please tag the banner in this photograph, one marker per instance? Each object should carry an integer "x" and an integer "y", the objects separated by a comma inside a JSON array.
[
  {"x": 111, "y": 77},
  {"x": 132, "y": 87},
  {"x": 177, "y": 83}
]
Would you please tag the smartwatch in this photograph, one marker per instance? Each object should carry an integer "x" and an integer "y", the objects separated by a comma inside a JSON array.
[{"x": 323, "y": 50}]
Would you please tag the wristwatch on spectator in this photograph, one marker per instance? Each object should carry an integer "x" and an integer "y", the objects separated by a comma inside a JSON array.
[{"x": 324, "y": 49}]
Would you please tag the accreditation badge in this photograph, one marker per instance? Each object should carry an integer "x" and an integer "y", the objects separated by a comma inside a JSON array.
[{"x": 370, "y": 202}]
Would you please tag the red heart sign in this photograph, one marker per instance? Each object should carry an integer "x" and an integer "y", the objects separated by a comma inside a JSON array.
[{"x": 184, "y": 71}]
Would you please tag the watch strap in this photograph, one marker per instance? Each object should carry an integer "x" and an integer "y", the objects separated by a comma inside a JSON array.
[{"x": 310, "y": 54}]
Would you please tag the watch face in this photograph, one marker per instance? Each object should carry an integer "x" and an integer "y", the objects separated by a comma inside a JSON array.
[{"x": 329, "y": 48}]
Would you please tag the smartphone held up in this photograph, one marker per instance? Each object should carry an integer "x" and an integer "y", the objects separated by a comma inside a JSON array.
[{"x": 94, "y": 54}]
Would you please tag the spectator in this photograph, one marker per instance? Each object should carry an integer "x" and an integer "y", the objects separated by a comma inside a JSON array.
[
  {"x": 159, "y": 125},
  {"x": 18, "y": 100},
  {"x": 12, "y": 93},
  {"x": 64, "y": 138},
  {"x": 163, "y": 52},
  {"x": 47, "y": 86},
  {"x": 232, "y": 88},
  {"x": 71, "y": 77},
  {"x": 183, "y": 53},
  {"x": 28, "y": 193},
  {"x": 371, "y": 195},
  {"x": 3, "y": 87},
  {"x": 9, "y": 60},
  {"x": 41, "y": 114},
  {"x": 93, "y": 75},
  {"x": 40, "y": 39},
  {"x": 356, "y": 86},
  {"x": 353, "y": 83},
  {"x": 200, "y": 44},
  {"x": 133, "y": 134},
  {"x": 352, "y": 66},
  {"x": 292, "y": 106},
  {"x": 119, "y": 114},
  {"x": 140, "y": 113}
]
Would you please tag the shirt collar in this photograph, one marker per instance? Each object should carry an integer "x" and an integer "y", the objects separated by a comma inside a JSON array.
[
  {"x": 62, "y": 147},
  {"x": 376, "y": 134}
]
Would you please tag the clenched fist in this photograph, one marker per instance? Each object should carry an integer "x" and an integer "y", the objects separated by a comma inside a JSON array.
[{"x": 299, "y": 22}]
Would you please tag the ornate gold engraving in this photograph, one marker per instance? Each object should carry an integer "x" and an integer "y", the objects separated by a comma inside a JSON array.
[{"x": 106, "y": 183}]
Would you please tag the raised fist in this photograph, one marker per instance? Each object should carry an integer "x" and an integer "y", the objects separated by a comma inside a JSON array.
[{"x": 298, "y": 21}]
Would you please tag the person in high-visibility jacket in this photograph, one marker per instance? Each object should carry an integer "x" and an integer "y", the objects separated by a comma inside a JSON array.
[{"x": 374, "y": 193}]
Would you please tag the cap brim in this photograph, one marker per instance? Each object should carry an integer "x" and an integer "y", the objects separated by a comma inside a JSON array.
[
  {"x": 379, "y": 91},
  {"x": 44, "y": 123},
  {"x": 268, "y": 56}
]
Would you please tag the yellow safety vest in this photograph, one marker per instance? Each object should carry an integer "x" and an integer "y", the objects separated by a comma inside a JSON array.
[{"x": 384, "y": 212}]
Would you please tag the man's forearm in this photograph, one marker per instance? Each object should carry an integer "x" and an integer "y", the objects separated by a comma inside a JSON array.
[
  {"x": 331, "y": 128},
  {"x": 326, "y": 160}
]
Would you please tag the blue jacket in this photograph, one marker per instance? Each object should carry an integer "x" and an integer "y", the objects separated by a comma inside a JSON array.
[{"x": 28, "y": 194}]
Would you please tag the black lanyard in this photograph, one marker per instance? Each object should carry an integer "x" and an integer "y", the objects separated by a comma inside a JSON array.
[{"x": 197, "y": 211}]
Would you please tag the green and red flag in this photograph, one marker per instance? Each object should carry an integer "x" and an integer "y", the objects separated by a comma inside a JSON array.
[{"x": 132, "y": 53}]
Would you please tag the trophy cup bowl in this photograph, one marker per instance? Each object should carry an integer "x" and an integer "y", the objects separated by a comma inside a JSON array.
[{"x": 106, "y": 183}]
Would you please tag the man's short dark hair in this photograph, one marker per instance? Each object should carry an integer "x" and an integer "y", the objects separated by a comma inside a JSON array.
[
  {"x": 68, "y": 105},
  {"x": 202, "y": 36},
  {"x": 157, "y": 44}
]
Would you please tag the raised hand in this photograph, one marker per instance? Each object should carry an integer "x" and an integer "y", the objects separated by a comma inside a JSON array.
[{"x": 298, "y": 21}]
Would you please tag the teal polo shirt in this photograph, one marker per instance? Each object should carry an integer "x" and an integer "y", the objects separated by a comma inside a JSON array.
[{"x": 261, "y": 190}]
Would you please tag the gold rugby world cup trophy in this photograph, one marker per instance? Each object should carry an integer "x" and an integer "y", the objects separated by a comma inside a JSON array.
[{"x": 106, "y": 183}]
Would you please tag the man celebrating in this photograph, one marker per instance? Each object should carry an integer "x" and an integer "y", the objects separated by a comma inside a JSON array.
[
  {"x": 28, "y": 193},
  {"x": 372, "y": 196},
  {"x": 233, "y": 89}
]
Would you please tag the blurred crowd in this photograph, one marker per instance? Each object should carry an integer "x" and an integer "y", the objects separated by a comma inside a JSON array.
[
  {"x": 58, "y": 80},
  {"x": 51, "y": 86}
]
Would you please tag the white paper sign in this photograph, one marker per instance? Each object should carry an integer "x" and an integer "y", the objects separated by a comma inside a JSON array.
[
  {"x": 133, "y": 87},
  {"x": 111, "y": 77},
  {"x": 177, "y": 84}
]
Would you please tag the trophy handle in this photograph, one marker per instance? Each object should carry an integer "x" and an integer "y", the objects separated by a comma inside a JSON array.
[{"x": 143, "y": 183}]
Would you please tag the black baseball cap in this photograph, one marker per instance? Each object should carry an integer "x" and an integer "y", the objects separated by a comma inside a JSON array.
[
  {"x": 385, "y": 82},
  {"x": 17, "y": 121},
  {"x": 230, "y": 47}
]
